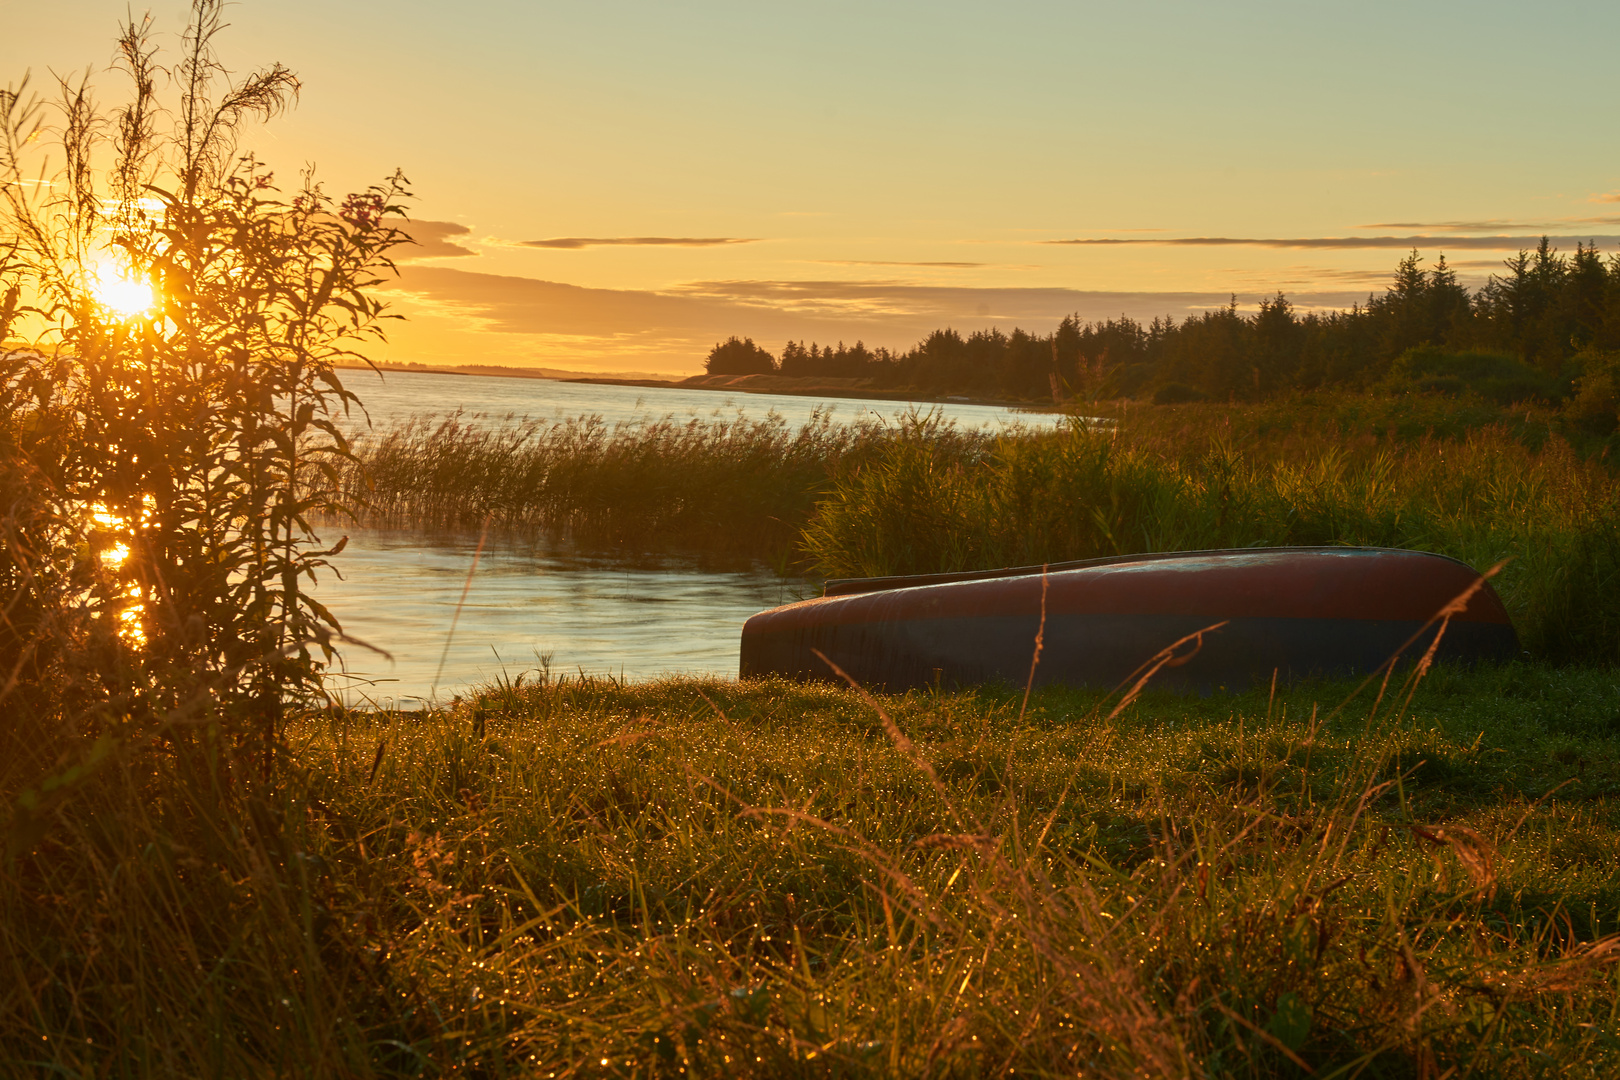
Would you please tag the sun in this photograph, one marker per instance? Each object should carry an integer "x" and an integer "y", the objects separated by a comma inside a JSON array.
[{"x": 125, "y": 297}]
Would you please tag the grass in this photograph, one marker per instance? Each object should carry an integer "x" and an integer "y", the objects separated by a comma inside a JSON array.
[{"x": 710, "y": 878}]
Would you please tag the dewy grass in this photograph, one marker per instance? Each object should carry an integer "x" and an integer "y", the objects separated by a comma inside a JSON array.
[{"x": 707, "y": 878}]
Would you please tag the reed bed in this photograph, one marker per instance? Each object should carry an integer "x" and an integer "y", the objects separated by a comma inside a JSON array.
[
  {"x": 727, "y": 487},
  {"x": 580, "y": 878}
]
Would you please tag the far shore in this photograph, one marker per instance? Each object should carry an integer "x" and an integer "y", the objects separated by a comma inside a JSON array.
[
  {"x": 747, "y": 384},
  {"x": 814, "y": 387}
]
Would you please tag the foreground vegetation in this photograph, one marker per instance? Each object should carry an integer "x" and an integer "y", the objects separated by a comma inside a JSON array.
[{"x": 686, "y": 878}]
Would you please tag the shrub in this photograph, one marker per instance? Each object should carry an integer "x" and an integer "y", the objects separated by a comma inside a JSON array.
[
  {"x": 1495, "y": 377},
  {"x": 1595, "y": 405}
]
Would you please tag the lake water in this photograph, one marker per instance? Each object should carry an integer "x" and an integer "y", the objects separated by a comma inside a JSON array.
[
  {"x": 524, "y": 603},
  {"x": 395, "y": 395}
]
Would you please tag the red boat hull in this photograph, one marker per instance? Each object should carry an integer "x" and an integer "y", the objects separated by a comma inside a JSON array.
[{"x": 1298, "y": 612}]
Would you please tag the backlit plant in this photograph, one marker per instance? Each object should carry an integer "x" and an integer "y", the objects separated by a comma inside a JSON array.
[{"x": 170, "y": 398}]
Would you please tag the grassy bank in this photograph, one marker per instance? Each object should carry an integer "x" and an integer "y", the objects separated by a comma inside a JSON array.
[{"x": 766, "y": 879}]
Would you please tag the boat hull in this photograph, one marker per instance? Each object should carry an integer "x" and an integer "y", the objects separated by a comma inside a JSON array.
[{"x": 1240, "y": 617}]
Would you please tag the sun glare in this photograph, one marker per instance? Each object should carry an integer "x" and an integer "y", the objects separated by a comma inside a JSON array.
[{"x": 123, "y": 296}]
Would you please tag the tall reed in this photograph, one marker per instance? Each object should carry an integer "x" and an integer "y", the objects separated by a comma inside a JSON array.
[{"x": 736, "y": 487}]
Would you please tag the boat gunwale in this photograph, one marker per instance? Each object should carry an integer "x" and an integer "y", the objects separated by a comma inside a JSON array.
[{"x": 858, "y": 586}]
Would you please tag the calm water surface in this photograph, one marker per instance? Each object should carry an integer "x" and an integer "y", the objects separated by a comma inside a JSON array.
[
  {"x": 395, "y": 395},
  {"x": 525, "y": 603}
]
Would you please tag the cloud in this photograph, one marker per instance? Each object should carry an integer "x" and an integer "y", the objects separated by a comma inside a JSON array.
[
  {"x": 1495, "y": 224},
  {"x": 926, "y": 307},
  {"x": 474, "y": 317},
  {"x": 1492, "y": 243},
  {"x": 890, "y": 262},
  {"x": 900, "y": 311},
  {"x": 1306, "y": 277},
  {"x": 1607, "y": 196},
  {"x": 1491, "y": 225},
  {"x": 570, "y": 243},
  {"x": 1478, "y": 264},
  {"x": 435, "y": 240},
  {"x": 508, "y": 304}
]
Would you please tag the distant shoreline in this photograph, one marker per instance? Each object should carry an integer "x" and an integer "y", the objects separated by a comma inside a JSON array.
[
  {"x": 497, "y": 371},
  {"x": 748, "y": 384},
  {"x": 811, "y": 387}
]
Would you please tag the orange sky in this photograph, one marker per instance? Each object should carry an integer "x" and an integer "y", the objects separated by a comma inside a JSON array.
[{"x": 616, "y": 186}]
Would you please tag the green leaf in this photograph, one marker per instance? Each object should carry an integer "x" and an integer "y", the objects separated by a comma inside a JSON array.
[{"x": 1291, "y": 1023}]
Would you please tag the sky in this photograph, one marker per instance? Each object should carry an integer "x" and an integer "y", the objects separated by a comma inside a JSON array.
[{"x": 617, "y": 186}]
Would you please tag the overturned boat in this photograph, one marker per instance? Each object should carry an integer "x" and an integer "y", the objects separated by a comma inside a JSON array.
[{"x": 1200, "y": 621}]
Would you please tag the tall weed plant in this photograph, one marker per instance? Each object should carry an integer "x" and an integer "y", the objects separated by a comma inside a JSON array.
[{"x": 168, "y": 416}]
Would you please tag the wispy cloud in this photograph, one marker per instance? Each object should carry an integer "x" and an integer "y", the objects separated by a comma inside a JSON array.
[
  {"x": 1289, "y": 279},
  {"x": 557, "y": 324},
  {"x": 894, "y": 262},
  {"x": 1495, "y": 225},
  {"x": 1311, "y": 275},
  {"x": 1490, "y": 225},
  {"x": 1607, "y": 196},
  {"x": 435, "y": 240},
  {"x": 778, "y": 308},
  {"x": 1492, "y": 265},
  {"x": 1491, "y": 243},
  {"x": 921, "y": 308},
  {"x": 570, "y": 243}
]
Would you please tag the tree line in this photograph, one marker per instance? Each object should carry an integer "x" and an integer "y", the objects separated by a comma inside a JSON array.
[{"x": 1530, "y": 330}]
